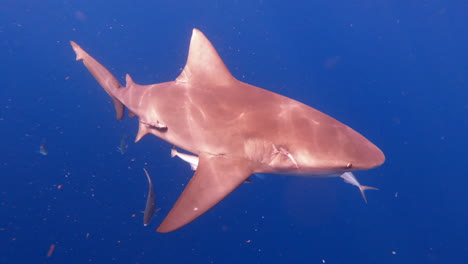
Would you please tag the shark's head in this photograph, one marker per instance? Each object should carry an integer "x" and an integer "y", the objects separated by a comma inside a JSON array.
[
  {"x": 335, "y": 153},
  {"x": 338, "y": 151},
  {"x": 312, "y": 143}
]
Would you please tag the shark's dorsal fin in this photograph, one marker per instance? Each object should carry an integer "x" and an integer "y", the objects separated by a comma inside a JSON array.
[
  {"x": 215, "y": 178},
  {"x": 204, "y": 64}
]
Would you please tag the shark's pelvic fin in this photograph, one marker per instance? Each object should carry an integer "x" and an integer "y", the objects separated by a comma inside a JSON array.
[
  {"x": 204, "y": 64},
  {"x": 143, "y": 130},
  {"x": 215, "y": 178},
  {"x": 102, "y": 75}
]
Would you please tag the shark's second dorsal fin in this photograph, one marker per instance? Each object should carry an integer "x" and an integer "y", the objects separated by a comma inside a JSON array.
[
  {"x": 204, "y": 64},
  {"x": 129, "y": 81}
]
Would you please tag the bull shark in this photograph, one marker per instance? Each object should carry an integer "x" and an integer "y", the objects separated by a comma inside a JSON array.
[{"x": 234, "y": 128}]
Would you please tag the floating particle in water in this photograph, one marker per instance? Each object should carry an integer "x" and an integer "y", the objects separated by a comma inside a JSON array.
[{"x": 51, "y": 250}]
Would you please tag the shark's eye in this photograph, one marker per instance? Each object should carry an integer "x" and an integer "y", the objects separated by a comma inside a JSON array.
[{"x": 349, "y": 165}]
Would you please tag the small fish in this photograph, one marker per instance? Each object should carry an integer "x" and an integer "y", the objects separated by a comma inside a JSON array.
[
  {"x": 150, "y": 202},
  {"x": 122, "y": 148},
  {"x": 349, "y": 178},
  {"x": 43, "y": 148},
  {"x": 190, "y": 159},
  {"x": 193, "y": 161}
]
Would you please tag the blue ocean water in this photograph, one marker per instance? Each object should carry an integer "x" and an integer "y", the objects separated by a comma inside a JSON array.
[{"x": 393, "y": 70}]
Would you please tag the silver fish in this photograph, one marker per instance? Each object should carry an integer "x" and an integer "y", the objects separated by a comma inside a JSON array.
[
  {"x": 122, "y": 148},
  {"x": 43, "y": 148},
  {"x": 150, "y": 202},
  {"x": 349, "y": 178}
]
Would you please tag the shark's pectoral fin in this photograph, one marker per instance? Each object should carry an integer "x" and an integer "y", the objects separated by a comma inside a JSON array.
[
  {"x": 215, "y": 178},
  {"x": 102, "y": 75}
]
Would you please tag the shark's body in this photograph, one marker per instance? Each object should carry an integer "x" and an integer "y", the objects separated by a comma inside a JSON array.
[{"x": 234, "y": 128}]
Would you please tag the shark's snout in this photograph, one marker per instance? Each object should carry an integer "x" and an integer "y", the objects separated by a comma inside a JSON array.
[
  {"x": 367, "y": 157},
  {"x": 377, "y": 158}
]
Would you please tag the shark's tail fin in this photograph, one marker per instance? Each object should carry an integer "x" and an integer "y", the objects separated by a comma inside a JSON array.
[
  {"x": 102, "y": 75},
  {"x": 363, "y": 188},
  {"x": 173, "y": 151}
]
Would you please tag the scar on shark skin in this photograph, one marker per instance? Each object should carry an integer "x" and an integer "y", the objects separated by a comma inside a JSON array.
[
  {"x": 283, "y": 151},
  {"x": 158, "y": 125}
]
